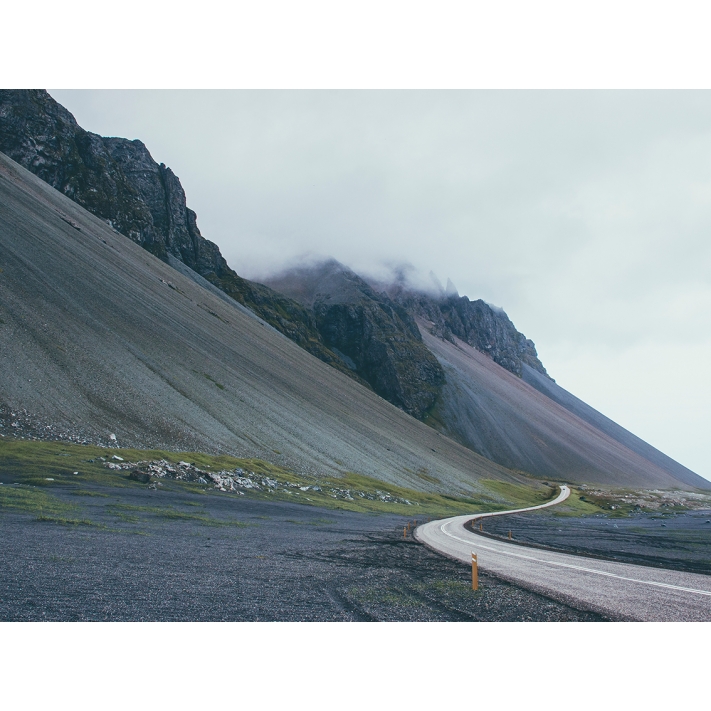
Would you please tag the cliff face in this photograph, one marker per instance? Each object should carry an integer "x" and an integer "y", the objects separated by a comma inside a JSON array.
[
  {"x": 377, "y": 338},
  {"x": 118, "y": 181},
  {"x": 487, "y": 329},
  {"x": 42, "y": 136}
]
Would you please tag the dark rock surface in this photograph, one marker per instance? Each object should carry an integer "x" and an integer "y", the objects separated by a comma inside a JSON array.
[
  {"x": 118, "y": 181},
  {"x": 378, "y": 338},
  {"x": 373, "y": 328}
]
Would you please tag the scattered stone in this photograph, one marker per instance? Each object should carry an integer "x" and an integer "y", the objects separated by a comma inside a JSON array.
[
  {"x": 117, "y": 458},
  {"x": 238, "y": 480},
  {"x": 138, "y": 475}
]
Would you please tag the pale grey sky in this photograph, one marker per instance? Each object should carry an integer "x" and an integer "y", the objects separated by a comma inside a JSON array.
[{"x": 585, "y": 215}]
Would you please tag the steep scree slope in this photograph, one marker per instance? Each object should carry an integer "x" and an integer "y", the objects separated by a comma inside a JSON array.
[
  {"x": 506, "y": 420},
  {"x": 588, "y": 414}
]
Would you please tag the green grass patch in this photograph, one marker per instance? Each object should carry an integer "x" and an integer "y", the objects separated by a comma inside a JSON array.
[
  {"x": 210, "y": 378},
  {"x": 578, "y": 504},
  {"x": 447, "y": 586},
  {"x": 128, "y": 511},
  {"x": 17, "y": 498},
  {"x": 32, "y": 462},
  {"x": 518, "y": 495},
  {"x": 69, "y": 521}
]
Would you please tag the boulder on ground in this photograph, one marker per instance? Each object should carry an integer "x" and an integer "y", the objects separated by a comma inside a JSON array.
[{"x": 138, "y": 475}]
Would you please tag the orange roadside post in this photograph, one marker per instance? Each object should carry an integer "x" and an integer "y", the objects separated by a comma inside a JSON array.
[
  {"x": 475, "y": 572},
  {"x": 509, "y": 535},
  {"x": 481, "y": 525},
  {"x": 404, "y": 532}
]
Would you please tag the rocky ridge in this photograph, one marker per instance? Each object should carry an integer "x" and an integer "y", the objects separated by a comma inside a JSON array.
[
  {"x": 368, "y": 335},
  {"x": 373, "y": 327},
  {"x": 477, "y": 323},
  {"x": 117, "y": 180}
]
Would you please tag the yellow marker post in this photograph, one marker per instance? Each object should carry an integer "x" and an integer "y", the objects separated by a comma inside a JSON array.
[
  {"x": 481, "y": 525},
  {"x": 475, "y": 573},
  {"x": 404, "y": 532},
  {"x": 509, "y": 535}
]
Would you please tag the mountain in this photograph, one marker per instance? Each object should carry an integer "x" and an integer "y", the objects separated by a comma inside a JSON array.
[
  {"x": 551, "y": 390},
  {"x": 496, "y": 397},
  {"x": 118, "y": 181},
  {"x": 100, "y": 337},
  {"x": 458, "y": 365}
]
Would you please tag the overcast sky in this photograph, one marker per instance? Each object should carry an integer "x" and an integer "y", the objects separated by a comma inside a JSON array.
[{"x": 585, "y": 215}]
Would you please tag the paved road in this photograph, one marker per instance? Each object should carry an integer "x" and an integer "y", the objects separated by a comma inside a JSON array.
[{"x": 621, "y": 590}]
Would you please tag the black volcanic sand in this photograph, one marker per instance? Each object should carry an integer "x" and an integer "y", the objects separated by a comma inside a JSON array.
[
  {"x": 681, "y": 541},
  {"x": 167, "y": 555}
]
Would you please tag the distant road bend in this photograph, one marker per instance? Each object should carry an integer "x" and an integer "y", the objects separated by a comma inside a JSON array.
[{"x": 621, "y": 590}]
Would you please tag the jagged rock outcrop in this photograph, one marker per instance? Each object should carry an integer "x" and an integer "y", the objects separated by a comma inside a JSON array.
[
  {"x": 482, "y": 326},
  {"x": 117, "y": 180},
  {"x": 377, "y": 337}
]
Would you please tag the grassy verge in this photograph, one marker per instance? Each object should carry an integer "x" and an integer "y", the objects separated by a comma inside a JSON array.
[
  {"x": 16, "y": 498},
  {"x": 44, "y": 465},
  {"x": 128, "y": 512},
  {"x": 577, "y": 505}
]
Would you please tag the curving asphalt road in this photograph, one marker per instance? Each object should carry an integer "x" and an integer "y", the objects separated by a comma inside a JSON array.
[{"x": 621, "y": 590}]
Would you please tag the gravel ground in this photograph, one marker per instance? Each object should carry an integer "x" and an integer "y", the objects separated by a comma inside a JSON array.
[
  {"x": 679, "y": 541},
  {"x": 167, "y": 555}
]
